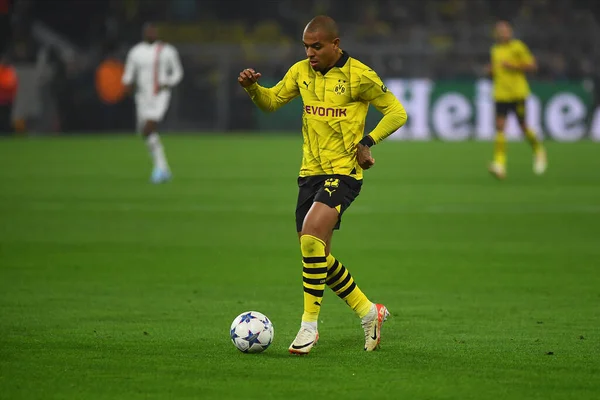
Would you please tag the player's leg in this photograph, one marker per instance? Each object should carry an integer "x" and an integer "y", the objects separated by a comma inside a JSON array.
[
  {"x": 161, "y": 171},
  {"x": 539, "y": 152},
  {"x": 340, "y": 281},
  {"x": 315, "y": 228},
  {"x": 372, "y": 316},
  {"x": 152, "y": 113},
  {"x": 339, "y": 278},
  {"x": 498, "y": 165},
  {"x": 314, "y": 272}
]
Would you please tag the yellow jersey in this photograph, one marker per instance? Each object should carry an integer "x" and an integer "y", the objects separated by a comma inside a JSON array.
[
  {"x": 335, "y": 105},
  {"x": 510, "y": 85}
]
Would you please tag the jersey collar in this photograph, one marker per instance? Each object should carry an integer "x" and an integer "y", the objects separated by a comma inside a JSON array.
[{"x": 340, "y": 63}]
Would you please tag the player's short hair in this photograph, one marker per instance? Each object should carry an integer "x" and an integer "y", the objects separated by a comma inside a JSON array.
[
  {"x": 325, "y": 24},
  {"x": 148, "y": 25}
]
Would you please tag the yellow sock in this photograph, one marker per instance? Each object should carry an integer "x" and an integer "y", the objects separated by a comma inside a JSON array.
[
  {"x": 536, "y": 145},
  {"x": 341, "y": 282},
  {"x": 314, "y": 274},
  {"x": 500, "y": 148}
]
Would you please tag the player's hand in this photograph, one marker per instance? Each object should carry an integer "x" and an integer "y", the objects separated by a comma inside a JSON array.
[
  {"x": 248, "y": 77},
  {"x": 363, "y": 156}
]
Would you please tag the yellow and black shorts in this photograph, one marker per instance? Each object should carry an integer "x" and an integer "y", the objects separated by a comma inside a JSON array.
[
  {"x": 503, "y": 108},
  {"x": 337, "y": 191}
]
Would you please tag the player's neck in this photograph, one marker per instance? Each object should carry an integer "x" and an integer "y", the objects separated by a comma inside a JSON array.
[
  {"x": 337, "y": 59},
  {"x": 333, "y": 64}
]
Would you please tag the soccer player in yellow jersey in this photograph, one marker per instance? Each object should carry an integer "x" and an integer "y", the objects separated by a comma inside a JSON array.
[
  {"x": 336, "y": 90},
  {"x": 510, "y": 61}
]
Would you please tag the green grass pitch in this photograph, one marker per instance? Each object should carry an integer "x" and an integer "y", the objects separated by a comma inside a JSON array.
[{"x": 113, "y": 288}]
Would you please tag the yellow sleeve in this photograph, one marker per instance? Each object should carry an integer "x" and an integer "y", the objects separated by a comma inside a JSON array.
[
  {"x": 270, "y": 99},
  {"x": 374, "y": 91},
  {"x": 525, "y": 56}
]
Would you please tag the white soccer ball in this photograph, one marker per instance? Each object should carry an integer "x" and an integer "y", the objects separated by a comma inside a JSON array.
[{"x": 251, "y": 332}]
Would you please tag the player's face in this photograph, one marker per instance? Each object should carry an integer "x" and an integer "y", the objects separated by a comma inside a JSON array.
[
  {"x": 503, "y": 31},
  {"x": 150, "y": 33},
  {"x": 322, "y": 51}
]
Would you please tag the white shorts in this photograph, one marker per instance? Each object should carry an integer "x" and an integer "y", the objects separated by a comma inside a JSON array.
[{"x": 152, "y": 108}]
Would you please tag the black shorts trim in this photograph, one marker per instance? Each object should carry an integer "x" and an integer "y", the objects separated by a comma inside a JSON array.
[
  {"x": 503, "y": 108},
  {"x": 337, "y": 191}
]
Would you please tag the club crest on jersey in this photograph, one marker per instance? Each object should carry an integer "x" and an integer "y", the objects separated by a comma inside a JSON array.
[{"x": 340, "y": 88}]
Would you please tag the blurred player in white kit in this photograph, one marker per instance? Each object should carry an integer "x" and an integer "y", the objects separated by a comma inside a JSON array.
[{"x": 152, "y": 69}]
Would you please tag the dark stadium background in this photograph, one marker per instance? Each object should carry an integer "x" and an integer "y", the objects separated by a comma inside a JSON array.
[{"x": 442, "y": 40}]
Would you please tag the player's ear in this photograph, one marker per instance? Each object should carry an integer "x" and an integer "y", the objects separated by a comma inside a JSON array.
[{"x": 336, "y": 43}]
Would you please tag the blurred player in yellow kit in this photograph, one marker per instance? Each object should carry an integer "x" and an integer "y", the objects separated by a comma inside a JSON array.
[{"x": 510, "y": 61}]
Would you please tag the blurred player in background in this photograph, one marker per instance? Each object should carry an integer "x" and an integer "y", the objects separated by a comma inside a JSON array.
[
  {"x": 510, "y": 61},
  {"x": 336, "y": 90},
  {"x": 152, "y": 69}
]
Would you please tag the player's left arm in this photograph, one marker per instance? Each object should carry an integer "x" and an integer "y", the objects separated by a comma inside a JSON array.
[
  {"x": 526, "y": 60},
  {"x": 176, "y": 74},
  {"x": 373, "y": 90}
]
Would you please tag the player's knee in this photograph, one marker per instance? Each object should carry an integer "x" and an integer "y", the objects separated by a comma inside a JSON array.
[
  {"x": 311, "y": 246},
  {"x": 313, "y": 227}
]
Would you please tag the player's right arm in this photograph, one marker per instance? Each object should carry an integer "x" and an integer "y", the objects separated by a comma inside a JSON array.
[
  {"x": 269, "y": 99},
  {"x": 129, "y": 73}
]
